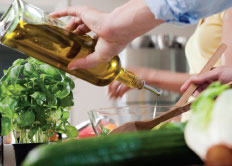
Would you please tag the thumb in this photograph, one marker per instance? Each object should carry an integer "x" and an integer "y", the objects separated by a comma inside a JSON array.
[
  {"x": 89, "y": 61},
  {"x": 104, "y": 52}
]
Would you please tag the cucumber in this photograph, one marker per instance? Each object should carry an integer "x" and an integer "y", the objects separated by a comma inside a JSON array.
[{"x": 158, "y": 147}]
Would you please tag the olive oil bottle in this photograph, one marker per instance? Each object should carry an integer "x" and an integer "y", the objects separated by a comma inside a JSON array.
[{"x": 44, "y": 38}]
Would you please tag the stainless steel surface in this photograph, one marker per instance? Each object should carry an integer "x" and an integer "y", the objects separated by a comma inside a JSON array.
[
  {"x": 142, "y": 42},
  {"x": 163, "y": 41},
  {"x": 160, "y": 41}
]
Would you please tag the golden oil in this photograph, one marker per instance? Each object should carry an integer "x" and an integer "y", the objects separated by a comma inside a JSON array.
[{"x": 58, "y": 47}]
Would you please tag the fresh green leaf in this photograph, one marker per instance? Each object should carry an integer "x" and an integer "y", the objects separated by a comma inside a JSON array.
[
  {"x": 7, "y": 106},
  {"x": 67, "y": 101},
  {"x": 14, "y": 74},
  {"x": 29, "y": 70},
  {"x": 104, "y": 131},
  {"x": 204, "y": 104},
  {"x": 57, "y": 114},
  {"x": 26, "y": 119},
  {"x": 214, "y": 90},
  {"x": 39, "y": 97},
  {"x": 71, "y": 131},
  {"x": 70, "y": 81},
  {"x": 6, "y": 126},
  {"x": 16, "y": 89},
  {"x": 64, "y": 92},
  {"x": 65, "y": 116},
  {"x": 34, "y": 61},
  {"x": 18, "y": 62},
  {"x": 170, "y": 125},
  {"x": 47, "y": 69},
  {"x": 45, "y": 127},
  {"x": 40, "y": 115},
  {"x": 4, "y": 91}
]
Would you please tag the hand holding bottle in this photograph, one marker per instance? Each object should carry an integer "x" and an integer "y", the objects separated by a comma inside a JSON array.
[{"x": 115, "y": 30}]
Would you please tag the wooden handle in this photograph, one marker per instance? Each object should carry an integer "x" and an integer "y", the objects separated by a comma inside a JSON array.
[
  {"x": 173, "y": 112},
  {"x": 230, "y": 84},
  {"x": 184, "y": 98}
]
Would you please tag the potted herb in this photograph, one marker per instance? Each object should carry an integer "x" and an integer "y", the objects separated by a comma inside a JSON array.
[{"x": 35, "y": 99}]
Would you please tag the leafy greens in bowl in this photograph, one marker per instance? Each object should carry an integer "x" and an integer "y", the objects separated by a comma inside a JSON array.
[{"x": 35, "y": 99}]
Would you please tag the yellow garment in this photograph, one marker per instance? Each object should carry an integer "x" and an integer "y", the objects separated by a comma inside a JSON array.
[
  {"x": 201, "y": 46},
  {"x": 204, "y": 42}
]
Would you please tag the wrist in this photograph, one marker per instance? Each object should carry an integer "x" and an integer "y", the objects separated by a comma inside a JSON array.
[
  {"x": 131, "y": 20},
  {"x": 149, "y": 75},
  {"x": 153, "y": 77}
]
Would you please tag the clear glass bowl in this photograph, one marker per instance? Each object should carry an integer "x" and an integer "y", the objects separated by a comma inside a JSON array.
[{"x": 106, "y": 119}]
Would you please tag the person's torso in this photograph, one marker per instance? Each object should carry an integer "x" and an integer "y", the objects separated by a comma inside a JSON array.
[
  {"x": 201, "y": 46},
  {"x": 204, "y": 42}
]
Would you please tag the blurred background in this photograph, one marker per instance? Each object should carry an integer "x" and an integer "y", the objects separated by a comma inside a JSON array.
[{"x": 162, "y": 48}]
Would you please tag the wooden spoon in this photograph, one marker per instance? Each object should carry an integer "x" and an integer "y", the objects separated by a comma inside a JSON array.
[{"x": 178, "y": 109}]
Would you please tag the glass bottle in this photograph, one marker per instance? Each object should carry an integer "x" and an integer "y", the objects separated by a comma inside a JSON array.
[{"x": 30, "y": 30}]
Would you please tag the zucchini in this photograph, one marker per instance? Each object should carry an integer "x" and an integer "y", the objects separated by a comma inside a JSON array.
[{"x": 158, "y": 147}]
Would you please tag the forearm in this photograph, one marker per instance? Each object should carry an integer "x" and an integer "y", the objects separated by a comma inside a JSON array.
[
  {"x": 163, "y": 78},
  {"x": 227, "y": 23},
  {"x": 168, "y": 80},
  {"x": 132, "y": 20}
]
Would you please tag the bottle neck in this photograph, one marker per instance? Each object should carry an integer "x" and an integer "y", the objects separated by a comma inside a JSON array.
[{"x": 130, "y": 79}]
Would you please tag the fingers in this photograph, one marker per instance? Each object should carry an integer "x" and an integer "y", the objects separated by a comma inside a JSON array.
[
  {"x": 185, "y": 86},
  {"x": 90, "y": 17},
  {"x": 95, "y": 37},
  {"x": 123, "y": 89},
  {"x": 200, "y": 89},
  {"x": 81, "y": 30},
  {"x": 222, "y": 74},
  {"x": 76, "y": 26},
  {"x": 69, "y": 11},
  {"x": 113, "y": 89},
  {"x": 73, "y": 24},
  {"x": 104, "y": 52},
  {"x": 116, "y": 90},
  {"x": 204, "y": 78}
]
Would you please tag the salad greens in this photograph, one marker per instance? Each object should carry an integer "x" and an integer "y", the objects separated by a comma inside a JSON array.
[
  {"x": 35, "y": 99},
  {"x": 104, "y": 131},
  {"x": 204, "y": 103},
  {"x": 170, "y": 125}
]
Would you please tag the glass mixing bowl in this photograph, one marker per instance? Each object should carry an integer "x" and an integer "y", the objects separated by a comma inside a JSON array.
[{"x": 106, "y": 119}]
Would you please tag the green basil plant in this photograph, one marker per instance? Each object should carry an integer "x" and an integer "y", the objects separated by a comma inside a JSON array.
[{"x": 35, "y": 99}]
